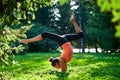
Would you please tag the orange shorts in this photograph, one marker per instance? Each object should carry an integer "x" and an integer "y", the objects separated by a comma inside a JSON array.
[{"x": 67, "y": 51}]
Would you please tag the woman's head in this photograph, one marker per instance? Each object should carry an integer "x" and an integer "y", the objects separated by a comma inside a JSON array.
[{"x": 54, "y": 62}]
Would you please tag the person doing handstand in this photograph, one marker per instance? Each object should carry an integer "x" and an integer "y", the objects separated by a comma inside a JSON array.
[{"x": 63, "y": 41}]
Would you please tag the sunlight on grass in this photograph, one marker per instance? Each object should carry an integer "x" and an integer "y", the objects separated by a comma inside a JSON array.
[{"x": 35, "y": 66}]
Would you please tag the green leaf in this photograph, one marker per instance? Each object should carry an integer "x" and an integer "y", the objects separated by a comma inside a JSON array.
[
  {"x": 33, "y": 16},
  {"x": 104, "y": 4},
  {"x": 115, "y": 4},
  {"x": 14, "y": 13},
  {"x": 1, "y": 52},
  {"x": 116, "y": 15},
  {"x": 117, "y": 34},
  {"x": 62, "y": 2}
]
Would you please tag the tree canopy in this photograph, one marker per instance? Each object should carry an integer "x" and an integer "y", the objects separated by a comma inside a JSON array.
[{"x": 112, "y": 6}]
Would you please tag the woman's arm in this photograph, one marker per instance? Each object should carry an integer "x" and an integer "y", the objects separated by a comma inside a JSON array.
[{"x": 63, "y": 64}]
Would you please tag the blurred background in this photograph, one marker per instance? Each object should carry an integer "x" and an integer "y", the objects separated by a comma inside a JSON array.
[{"x": 99, "y": 19}]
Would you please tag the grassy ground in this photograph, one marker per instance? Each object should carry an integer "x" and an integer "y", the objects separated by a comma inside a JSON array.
[{"x": 35, "y": 66}]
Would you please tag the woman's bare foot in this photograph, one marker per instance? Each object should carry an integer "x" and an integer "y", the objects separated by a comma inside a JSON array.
[
  {"x": 25, "y": 41},
  {"x": 72, "y": 19}
]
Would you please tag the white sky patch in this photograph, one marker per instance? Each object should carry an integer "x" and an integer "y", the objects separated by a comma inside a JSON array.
[
  {"x": 91, "y": 12},
  {"x": 73, "y": 6},
  {"x": 56, "y": 12},
  {"x": 72, "y": 3},
  {"x": 55, "y": 1}
]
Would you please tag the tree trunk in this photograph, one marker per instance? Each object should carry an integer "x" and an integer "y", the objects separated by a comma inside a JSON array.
[
  {"x": 81, "y": 41},
  {"x": 96, "y": 48}
]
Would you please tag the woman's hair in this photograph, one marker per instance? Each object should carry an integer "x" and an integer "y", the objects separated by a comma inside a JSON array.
[{"x": 53, "y": 61}]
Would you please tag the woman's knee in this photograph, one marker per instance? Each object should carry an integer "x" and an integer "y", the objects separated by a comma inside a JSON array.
[
  {"x": 81, "y": 34},
  {"x": 43, "y": 34}
]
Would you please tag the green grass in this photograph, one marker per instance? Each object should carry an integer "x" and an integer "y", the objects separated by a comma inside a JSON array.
[{"x": 35, "y": 66}]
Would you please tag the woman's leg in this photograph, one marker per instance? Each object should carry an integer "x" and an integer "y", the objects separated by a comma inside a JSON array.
[
  {"x": 78, "y": 30},
  {"x": 76, "y": 27},
  {"x": 34, "y": 39},
  {"x": 55, "y": 37}
]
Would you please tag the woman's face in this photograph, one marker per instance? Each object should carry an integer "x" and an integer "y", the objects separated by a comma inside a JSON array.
[{"x": 57, "y": 65}]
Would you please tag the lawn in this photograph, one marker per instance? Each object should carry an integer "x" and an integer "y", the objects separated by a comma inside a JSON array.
[{"x": 87, "y": 66}]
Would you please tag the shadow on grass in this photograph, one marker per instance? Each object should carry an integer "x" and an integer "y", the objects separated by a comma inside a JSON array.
[
  {"x": 110, "y": 71},
  {"x": 25, "y": 63},
  {"x": 60, "y": 75}
]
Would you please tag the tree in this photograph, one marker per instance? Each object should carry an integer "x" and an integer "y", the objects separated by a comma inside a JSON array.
[
  {"x": 95, "y": 25},
  {"x": 8, "y": 37},
  {"x": 45, "y": 15},
  {"x": 61, "y": 21},
  {"x": 11, "y": 13}
]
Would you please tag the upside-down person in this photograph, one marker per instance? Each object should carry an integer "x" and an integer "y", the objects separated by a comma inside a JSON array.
[{"x": 63, "y": 41}]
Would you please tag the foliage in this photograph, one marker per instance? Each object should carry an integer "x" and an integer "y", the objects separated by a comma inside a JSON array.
[
  {"x": 15, "y": 11},
  {"x": 113, "y": 7},
  {"x": 35, "y": 66},
  {"x": 63, "y": 2},
  {"x": 95, "y": 25},
  {"x": 62, "y": 24},
  {"x": 45, "y": 16},
  {"x": 8, "y": 37}
]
